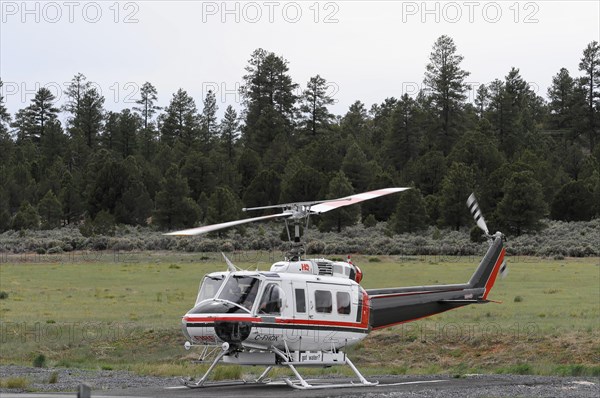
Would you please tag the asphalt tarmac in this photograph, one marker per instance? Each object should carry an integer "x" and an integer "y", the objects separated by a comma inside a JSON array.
[{"x": 389, "y": 386}]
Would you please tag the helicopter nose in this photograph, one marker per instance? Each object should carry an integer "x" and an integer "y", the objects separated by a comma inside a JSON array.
[{"x": 233, "y": 332}]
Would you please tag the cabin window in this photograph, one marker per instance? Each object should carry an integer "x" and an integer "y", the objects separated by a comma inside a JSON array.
[
  {"x": 240, "y": 290},
  {"x": 343, "y": 302},
  {"x": 300, "y": 300},
  {"x": 271, "y": 300},
  {"x": 209, "y": 288},
  {"x": 323, "y": 301}
]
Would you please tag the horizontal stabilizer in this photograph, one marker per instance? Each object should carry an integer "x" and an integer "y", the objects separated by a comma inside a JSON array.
[{"x": 471, "y": 301}]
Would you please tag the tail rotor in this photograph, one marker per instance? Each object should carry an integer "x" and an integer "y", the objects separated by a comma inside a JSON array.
[{"x": 476, "y": 212}]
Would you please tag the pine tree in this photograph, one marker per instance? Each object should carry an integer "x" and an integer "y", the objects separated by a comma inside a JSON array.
[
  {"x": 135, "y": 206},
  {"x": 43, "y": 110},
  {"x": 230, "y": 131},
  {"x": 482, "y": 100},
  {"x": 381, "y": 122},
  {"x": 174, "y": 207},
  {"x": 26, "y": 218},
  {"x": 574, "y": 202},
  {"x": 523, "y": 205},
  {"x": 248, "y": 166},
  {"x": 181, "y": 120},
  {"x": 456, "y": 188},
  {"x": 590, "y": 64},
  {"x": 355, "y": 123},
  {"x": 147, "y": 107},
  {"x": 4, "y": 115},
  {"x": 428, "y": 171},
  {"x": 50, "y": 211},
  {"x": 410, "y": 214},
  {"x": 70, "y": 198},
  {"x": 223, "y": 206},
  {"x": 208, "y": 121},
  {"x": 479, "y": 152},
  {"x": 111, "y": 130},
  {"x": 382, "y": 208},
  {"x": 560, "y": 95},
  {"x": 300, "y": 183},
  {"x": 90, "y": 116},
  {"x": 75, "y": 92},
  {"x": 33, "y": 120},
  {"x": 356, "y": 168},
  {"x": 446, "y": 80},
  {"x": 314, "y": 105},
  {"x": 128, "y": 126},
  {"x": 339, "y": 186},
  {"x": 403, "y": 140},
  {"x": 264, "y": 190},
  {"x": 269, "y": 99},
  {"x": 199, "y": 172},
  {"x": 513, "y": 111}
]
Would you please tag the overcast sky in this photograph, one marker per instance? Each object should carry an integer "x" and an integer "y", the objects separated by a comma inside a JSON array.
[{"x": 368, "y": 50}]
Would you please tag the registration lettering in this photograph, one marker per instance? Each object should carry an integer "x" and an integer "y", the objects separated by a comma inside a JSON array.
[{"x": 266, "y": 337}]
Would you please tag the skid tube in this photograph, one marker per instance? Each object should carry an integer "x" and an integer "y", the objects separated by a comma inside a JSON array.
[
  {"x": 302, "y": 384},
  {"x": 286, "y": 360},
  {"x": 203, "y": 384}
]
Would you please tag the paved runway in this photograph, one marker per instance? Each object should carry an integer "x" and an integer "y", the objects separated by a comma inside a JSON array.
[{"x": 390, "y": 386}]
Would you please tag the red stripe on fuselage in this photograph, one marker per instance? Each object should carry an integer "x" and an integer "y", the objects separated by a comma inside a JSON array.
[
  {"x": 304, "y": 322},
  {"x": 490, "y": 282}
]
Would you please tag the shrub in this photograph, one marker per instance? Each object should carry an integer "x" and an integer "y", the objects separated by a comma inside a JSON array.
[
  {"x": 15, "y": 383},
  {"x": 53, "y": 379},
  {"x": 3, "y": 295},
  {"x": 315, "y": 247},
  {"x": 39, "y": 361},
  {"x": 55, "y": 250}
]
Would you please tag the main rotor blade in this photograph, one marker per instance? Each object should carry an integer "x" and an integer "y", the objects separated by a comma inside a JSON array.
[
  {"x": 353, "y": 199},
  {"x": 216, "y": 227}
]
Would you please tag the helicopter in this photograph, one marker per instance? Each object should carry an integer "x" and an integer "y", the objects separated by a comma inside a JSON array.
[{"x": 306, "y": 312}]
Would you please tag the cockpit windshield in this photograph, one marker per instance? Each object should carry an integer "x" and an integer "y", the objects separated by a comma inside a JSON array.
[
  {"x": 241, "y": 290},
  {"x": 210, "y": 286}
]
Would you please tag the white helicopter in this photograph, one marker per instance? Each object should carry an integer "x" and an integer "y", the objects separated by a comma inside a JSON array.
[{"x": 305, "y": 312}]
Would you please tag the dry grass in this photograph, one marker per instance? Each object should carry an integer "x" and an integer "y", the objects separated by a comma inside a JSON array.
[
  {"x": 18, "y": 383},
  {"x": 116, "y": 315}
]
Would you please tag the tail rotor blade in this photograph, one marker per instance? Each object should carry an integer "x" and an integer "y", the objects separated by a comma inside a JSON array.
[{"x": 476, "y": 212}]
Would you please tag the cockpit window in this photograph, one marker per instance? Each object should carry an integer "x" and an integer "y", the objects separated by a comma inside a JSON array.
[
  {"x": 240, "y": 290},
  {"x": 209, "y": 288},
  {"x": 271, "y": 300}
]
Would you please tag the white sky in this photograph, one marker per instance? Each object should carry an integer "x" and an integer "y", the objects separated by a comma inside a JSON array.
[{"x": 368, "y": 50}]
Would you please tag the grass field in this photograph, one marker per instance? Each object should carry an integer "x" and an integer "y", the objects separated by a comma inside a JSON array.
[{"x": 123, "y": 310}]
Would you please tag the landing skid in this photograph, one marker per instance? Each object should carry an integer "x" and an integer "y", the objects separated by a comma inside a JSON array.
[
  {"x": 302, "y": 384},
  {"x": 291, "y": 360}
]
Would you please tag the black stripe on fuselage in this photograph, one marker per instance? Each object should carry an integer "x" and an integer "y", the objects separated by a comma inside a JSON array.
[{"x": 325, "y": 328}]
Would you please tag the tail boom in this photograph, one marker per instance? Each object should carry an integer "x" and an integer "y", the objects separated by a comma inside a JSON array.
[{"x": 393, "y": 306}]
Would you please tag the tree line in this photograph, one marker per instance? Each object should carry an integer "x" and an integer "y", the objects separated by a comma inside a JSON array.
[{"x": 526, "y": 157}]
